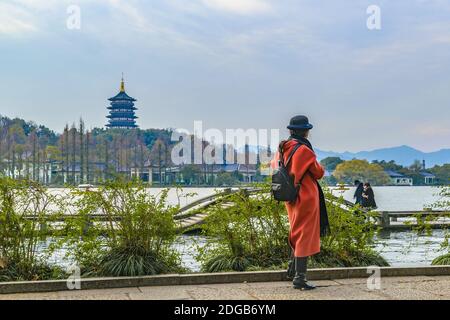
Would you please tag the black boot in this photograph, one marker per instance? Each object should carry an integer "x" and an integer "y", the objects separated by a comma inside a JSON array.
[{"x": 300, "y": 281}]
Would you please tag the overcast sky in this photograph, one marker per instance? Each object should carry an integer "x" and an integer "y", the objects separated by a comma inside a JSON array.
[{"x": 236, "y": 64}]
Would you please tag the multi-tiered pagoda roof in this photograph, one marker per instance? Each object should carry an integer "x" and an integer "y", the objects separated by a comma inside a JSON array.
[{"x": 122, "y": 110}]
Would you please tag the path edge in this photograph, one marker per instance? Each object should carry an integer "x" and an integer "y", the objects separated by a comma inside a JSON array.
[{"x": 216, "y": 278}]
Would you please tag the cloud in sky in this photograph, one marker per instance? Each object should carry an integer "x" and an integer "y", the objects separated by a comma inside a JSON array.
[
  {"x": 214, "y": 59},
  {"x": 14, "y": 20},
  {"x": 240, "y": 6}
]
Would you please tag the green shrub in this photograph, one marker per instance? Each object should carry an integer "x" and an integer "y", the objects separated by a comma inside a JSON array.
[
  {"x": 346, "y": 258},
  {"x": 443, "y": 260},
  {"x": 350, "y": 240},
  {"x": 228, "y": 262},
  {"x": 131, "y": 261},
  {"x": 250, "y": 232},
  {"x": 135, "y": 236},
  {"x": 39, "y": 270},
  {"x": 25, "y": 210},
  {"x": 253, "y": 231}
]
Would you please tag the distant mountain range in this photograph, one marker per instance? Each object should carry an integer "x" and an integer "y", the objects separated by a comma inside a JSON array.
[{"x": 403, "y": 155}]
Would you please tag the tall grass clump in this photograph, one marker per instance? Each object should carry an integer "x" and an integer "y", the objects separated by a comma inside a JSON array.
[
  {"x": 26, "y": 208},
  {"x": 119, "y": 229},
  {"x": 245, "y": 231},
  {"x": 250, "y": 232}
]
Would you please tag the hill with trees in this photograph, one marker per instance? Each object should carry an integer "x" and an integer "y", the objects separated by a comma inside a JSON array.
[{"x": 28, "y": 149}]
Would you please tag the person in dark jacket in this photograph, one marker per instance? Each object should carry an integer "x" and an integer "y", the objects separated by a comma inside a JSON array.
[
  {"x": 358, "y": 192},
  {"x": 368, "y": 197}
]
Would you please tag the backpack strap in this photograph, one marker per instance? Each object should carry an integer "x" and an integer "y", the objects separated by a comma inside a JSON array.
[
  {"x": 292, "y": 153},
  {"x": 298, "y": 145},
  {"x": 281, "y": 151}
]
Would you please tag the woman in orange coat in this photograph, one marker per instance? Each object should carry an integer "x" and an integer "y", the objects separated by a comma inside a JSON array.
[{"x": 307, "y": 215}]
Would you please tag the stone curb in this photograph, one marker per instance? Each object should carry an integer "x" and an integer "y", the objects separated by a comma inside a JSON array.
[{"x": 214, "y": 278}]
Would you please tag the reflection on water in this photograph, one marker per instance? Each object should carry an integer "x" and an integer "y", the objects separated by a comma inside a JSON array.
[
  {"x": 57, "y": 257},
  {"x": 406, "y": 248},
  {"x": 187, "y": 247}
]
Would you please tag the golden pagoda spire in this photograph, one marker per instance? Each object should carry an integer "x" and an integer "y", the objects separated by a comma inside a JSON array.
[{"x": 122, "y": 85}]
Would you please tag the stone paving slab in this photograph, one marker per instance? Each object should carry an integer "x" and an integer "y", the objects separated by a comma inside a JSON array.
[{"x": 416, "y": 288}]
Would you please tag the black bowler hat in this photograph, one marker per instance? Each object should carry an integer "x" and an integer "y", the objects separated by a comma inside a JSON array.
[{"x": 299, "y": 122}]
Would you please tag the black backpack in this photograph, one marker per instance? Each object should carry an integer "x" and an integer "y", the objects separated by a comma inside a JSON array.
[{"x": 283, "y": 184}]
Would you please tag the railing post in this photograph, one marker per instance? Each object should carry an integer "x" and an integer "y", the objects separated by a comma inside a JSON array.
[
  {"x": 245, "y": 193},
  {"x": 87, "y": 226},
  {"x": 385, "y": 219},
  {"x": 43, "y": 229},
  {"x": 421, "y": 218}
]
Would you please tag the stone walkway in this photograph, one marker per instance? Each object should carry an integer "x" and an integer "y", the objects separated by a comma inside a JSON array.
[{"x": 391, "y": 288}]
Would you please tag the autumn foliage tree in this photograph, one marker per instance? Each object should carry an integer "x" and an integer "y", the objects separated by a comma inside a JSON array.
[{"x": 349, "y": 171}]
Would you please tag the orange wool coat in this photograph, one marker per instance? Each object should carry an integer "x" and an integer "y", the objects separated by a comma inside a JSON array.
[{"x": 304, "y": 214}]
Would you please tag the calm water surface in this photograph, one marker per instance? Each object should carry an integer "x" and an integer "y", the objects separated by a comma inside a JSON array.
[{"x": 398, "y": 198}]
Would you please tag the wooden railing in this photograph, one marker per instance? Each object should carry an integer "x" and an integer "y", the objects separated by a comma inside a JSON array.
[
  {"x": 389, "y": 219},
  {"x": 185, "y": 217}
]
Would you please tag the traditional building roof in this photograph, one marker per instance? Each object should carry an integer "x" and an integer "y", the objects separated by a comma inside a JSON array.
[
  {"x": 122, "y": 96},
  {"x": 76, "y": 167},
  {"x": 121, "y": 114},
  {"x": 394, "y": 174},
  {"x": 427, "y": 174}
]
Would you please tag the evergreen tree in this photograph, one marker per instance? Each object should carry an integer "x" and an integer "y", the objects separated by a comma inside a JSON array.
[
  {"x": 74, "y": 151},
  {"x": 82, "y": 150}
]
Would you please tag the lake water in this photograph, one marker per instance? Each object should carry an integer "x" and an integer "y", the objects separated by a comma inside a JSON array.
[
  {"x": 398, "y": 198},
  {"x": 405, "y": 248},
  {"x": 387, "y": 198},
  {"x": 398, "y": 248},
  {"x": 175, "y": 196},
  {"x": 402, "y": 248}
]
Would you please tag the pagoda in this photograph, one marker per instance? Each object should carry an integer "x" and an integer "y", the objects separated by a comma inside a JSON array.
[{"x": 121, "y": 110}]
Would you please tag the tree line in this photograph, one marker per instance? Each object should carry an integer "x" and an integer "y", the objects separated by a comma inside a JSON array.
[
  {"x": 78, "y": 155},
  {"x": 376, "y": 171},
  {"x": 88, "y": 156}
]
